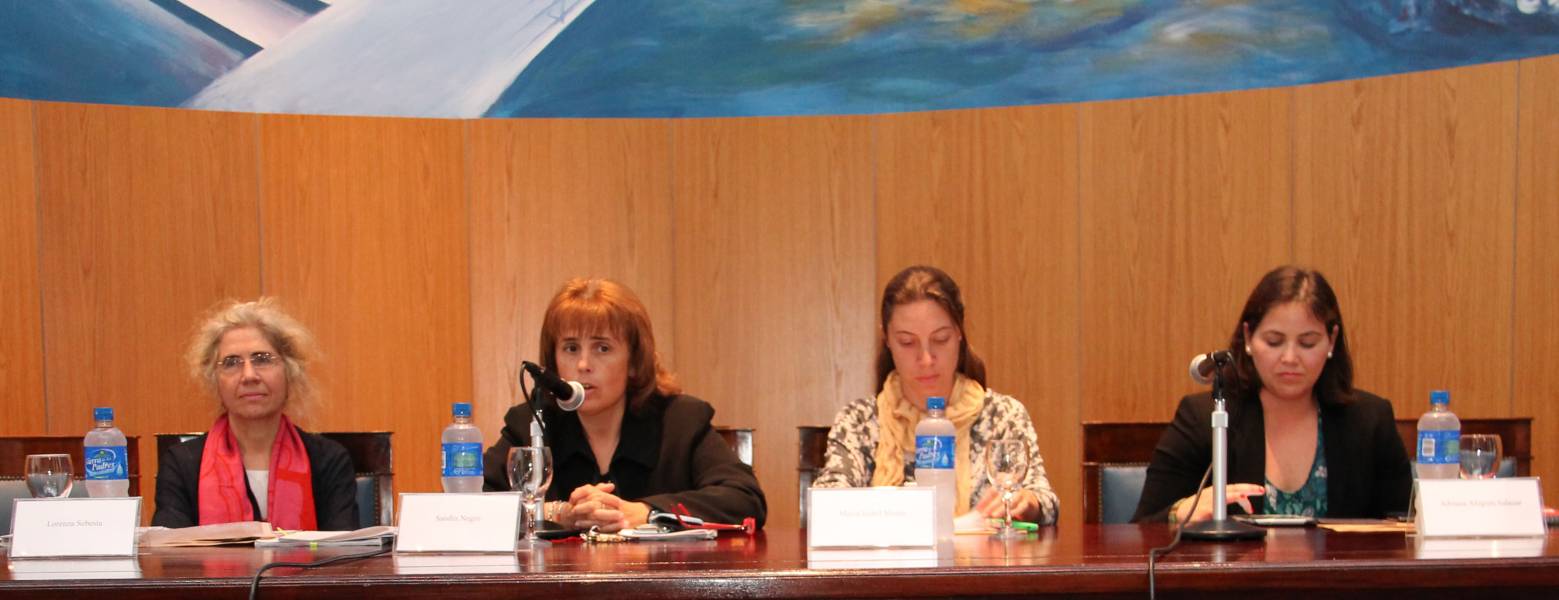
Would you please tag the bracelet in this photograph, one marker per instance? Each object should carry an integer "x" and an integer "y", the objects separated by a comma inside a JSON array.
[{"x": 1174, "y": 511}]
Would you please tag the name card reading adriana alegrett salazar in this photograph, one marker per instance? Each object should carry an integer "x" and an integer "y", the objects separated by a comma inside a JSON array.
[
  {"x": 1480, "y": 508},
  {"x": 458, "y": 522},
  {"x": 875, "y": 517},
  {"x": 60, "y": 527}
]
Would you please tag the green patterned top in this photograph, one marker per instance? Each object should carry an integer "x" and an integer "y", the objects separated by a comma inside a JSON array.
[{"x": 1309, "y": 499}]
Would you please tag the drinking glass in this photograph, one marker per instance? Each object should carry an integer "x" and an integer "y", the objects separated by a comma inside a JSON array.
[
  {"x": 1006, "y": 464},
  {"x": 48, "y": 475},
  {"x": 530, "y": 473},
  {"x": 1480, "y": 455}
]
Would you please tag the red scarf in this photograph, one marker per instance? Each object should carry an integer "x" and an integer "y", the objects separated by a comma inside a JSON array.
[{"x": 224, "y": 487}]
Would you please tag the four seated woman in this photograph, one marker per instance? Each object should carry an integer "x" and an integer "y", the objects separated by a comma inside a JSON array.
[{"x": 1300, "y": 435}]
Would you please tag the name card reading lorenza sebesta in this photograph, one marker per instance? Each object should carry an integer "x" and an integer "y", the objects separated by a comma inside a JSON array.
[
  {"x": 61, "y": 527},
  {"x": 458, "y": 522}
]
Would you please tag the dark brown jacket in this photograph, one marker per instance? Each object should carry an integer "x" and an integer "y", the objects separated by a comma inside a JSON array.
[
  {"x": 335, "y": 501},
  {"x": 667, "y": 454},
  {"x": 1367, "y": 471}
]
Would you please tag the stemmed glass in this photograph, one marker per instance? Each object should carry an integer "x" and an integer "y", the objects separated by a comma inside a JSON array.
[
  {"x": 530, "y": 474},
  {"x": 1480, "y": 455},
  {"x": 48, "y": 475},
  {"x": 1006, "y": 464}
]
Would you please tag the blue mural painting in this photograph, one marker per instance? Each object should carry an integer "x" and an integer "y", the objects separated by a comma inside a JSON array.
[{"x": 659, "y": 58}]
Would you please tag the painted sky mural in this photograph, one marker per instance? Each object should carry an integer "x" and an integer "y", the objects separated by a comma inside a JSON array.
[{"x": 670, "y": 58}]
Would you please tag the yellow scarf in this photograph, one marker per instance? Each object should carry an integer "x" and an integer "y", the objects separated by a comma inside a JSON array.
[{"x": 896, "y": 421}]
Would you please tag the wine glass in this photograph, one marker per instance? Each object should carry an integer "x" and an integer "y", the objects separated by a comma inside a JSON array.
[
  {"x": 48, "y": 475},
  {"x": 530, "y": 474},
  {"x": 1006, "y": 464},
  {"x": 1479, "y": 456}
]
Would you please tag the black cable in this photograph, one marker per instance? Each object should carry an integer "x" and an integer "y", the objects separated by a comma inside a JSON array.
[
  {"x": 533, "y": 402},
  {"x": 1179, "y": 529},
  {"x": 254, "y": 586}
]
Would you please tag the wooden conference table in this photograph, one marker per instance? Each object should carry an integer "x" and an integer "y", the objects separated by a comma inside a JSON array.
[{"x": 1105, "y": 561}]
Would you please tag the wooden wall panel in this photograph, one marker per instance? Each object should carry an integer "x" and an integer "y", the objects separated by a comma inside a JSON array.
[
  {"x": 990, "y": 196},
  {"x": 1403, "y": 197},
  {"x": 365, "y": 239},
  {"x": 148, "y": 220},
  {"x": 1536, "y": 316},
  {"x": 1185, "y": 205},
  {"x": 551, "y": 200},
  {"x": 21, "y": 320},
  {"x": 774, "y": 267}
]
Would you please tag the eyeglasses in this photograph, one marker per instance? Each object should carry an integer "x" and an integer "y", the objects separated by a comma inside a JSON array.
[{"x": 233, "y": 364}]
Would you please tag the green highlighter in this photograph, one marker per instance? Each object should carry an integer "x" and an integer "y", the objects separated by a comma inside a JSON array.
[{"x": 1018, "y": 525}]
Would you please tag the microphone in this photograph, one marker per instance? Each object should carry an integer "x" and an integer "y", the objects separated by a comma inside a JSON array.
[
  {"x": 1203, "y": 365},
  {"x": 569, "y": 394}
]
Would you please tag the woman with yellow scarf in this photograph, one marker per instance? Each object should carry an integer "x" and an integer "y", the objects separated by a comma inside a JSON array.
[{"x": 924, "y": 354}]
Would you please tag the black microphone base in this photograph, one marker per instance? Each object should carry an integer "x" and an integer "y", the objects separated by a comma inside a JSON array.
[{"x": 1221, "y": 531}]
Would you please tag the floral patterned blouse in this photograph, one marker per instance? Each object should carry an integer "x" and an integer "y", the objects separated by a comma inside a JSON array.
[
  {"x": 853, "y": 439},
  {"x": 1310, "y": 499}
]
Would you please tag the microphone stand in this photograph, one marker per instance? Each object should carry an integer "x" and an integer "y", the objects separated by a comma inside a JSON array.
[{"x": 1221, "y": 527}]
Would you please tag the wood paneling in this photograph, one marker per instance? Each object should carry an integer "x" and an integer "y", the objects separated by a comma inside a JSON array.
[
  {"x": 551, "y": 200},
  {"x": 365, "y": 240},
  {"x": 148, "y": 220},
  {"x": 1536, "y": 316},
  {"x": 1404, "y": 198},
  {"x": 774, "y": 264},
  {"x": 990, "y": 196},
  {"x": 21, "y": 321},
  {"x": 1185, "y": 204}
]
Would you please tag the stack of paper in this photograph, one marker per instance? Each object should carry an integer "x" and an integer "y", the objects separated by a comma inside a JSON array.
[
  {"x": 223, "y": 534},
  {"x": 367, "y": 536}
]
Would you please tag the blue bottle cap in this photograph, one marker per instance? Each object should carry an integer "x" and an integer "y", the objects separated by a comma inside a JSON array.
[
  {"x": 1439, "y": 397},
  {"x": 936, "y": 403},
  {"x": 103, "y": 413},
  {"x": 462, "y": 409}
]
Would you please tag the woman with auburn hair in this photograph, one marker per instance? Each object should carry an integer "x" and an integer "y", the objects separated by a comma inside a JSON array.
[
  {"x": 923, "y": 353},
  {"x": 1300, "y": 434},
  {"x": 255, "y": 464},
  {"x": 637, "y": 443}
]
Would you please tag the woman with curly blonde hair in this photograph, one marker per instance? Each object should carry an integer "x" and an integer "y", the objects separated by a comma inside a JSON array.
[{"x": 255, "y": 464}]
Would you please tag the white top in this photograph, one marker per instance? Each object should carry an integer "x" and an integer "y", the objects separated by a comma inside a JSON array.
[{"x": 260, "y": 484}]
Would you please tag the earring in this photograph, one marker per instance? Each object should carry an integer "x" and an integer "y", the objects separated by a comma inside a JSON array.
[
  {"x": 1247, "y": 349},
  {"x": 1328, "y": 354}
]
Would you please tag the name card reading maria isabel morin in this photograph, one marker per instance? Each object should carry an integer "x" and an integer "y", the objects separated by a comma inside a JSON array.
[
  {"x": 458, "y": 522},
  {"x": 1480, "y": 508},
  {"x": 876, "y": 517},
  {"x": 59, "y": 527}
]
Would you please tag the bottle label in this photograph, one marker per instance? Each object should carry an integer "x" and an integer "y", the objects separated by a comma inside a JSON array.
[
  {"x": 106, "y": 463},
  {"x": 1439, "y": 447},
  {"x": 462, "y": 459},
  {"x": 933, "y": 452}
]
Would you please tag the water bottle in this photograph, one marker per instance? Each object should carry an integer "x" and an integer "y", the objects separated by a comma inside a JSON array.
[
  {"x": 1439, "y": 435},
  {"x": 103, "y": 450},
  {"x": 934, "y": 463},
  {"x": 462, "y": 453}
]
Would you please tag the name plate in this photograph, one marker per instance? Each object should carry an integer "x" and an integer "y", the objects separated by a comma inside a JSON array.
[
  {"x": 458, "y": 522},
  {"x": 877, "y": 517},
  {"x": 1480, "y": 508},
  {"x": 74, "y": 527}
]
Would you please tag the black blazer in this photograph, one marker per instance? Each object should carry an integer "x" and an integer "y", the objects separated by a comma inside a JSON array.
[
  {"x": 1367, "y": 470},
  {"x": 667, "y": 454},
  {"x": 335, "y": 498}
]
